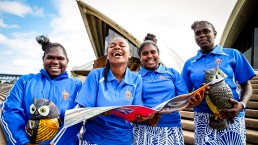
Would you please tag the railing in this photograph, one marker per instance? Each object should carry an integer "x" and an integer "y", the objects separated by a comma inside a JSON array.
[{"x": 3, "y": 92}]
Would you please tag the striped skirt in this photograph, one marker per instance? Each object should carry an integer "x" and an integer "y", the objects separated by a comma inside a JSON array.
[
  {"x": 148, "y": 135},
  {"x": 234, "y": 134}
]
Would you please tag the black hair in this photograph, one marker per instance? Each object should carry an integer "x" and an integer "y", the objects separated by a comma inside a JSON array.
[
  {"x": 197, "y": 23},
  {"x": 149, "y": 39},
  {"x": 107, "y": 67},
  {"x": 46, "y": 45}
]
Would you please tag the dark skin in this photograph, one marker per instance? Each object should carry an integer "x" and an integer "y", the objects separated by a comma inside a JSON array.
[
  {"x": 204, "y": 37},
  {"x": 195, "y": 101},
  {"x": 55, "y": 62},
  {"x": 246, "y": 94}
]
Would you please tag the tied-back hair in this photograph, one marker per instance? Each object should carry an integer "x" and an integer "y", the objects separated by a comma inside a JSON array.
[
  {"x": 107, "y": 67},
  {"x": 149, "y": 39},
  {"x": 46, "y": 45},
  {"x": 197, "y": 23}
]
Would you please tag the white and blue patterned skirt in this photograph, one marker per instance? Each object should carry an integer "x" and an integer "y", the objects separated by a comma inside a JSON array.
[
  {"x": 234, "y": 134},
  {"x": 148, "y": 135},
  {"x": 84, "y": 142}
]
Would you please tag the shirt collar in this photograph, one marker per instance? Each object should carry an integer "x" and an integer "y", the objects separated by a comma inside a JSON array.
[
  {"x": 61, "y": 76},
  {"x": 127, "y": 78},
  {"x": 160, "y": 69},
  {"x": 216, "y": 50}
]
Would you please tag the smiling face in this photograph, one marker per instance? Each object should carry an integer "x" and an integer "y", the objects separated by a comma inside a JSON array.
[
  {"x": 149, "y": 57},
  {"x": 55, "y": 61},
  {"x": 118, "y": 52},
  {"x": 204, "y": 37}
]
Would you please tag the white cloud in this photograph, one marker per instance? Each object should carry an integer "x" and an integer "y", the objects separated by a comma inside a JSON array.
[
  {"x": 3, "y": 25},
  {"x": 69, "y": 30},
  {"x": 19, "y": 9},
  {"x": 170, "y": 20},
  {"x": 22, "y": 54}
]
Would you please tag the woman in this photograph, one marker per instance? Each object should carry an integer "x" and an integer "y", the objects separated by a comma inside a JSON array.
[
  {"x": 52, "y": 83},
  {"x": 230, "y": 62},
  {"x": 113, "y": 85},
  {"x": 160, "y": 84}
]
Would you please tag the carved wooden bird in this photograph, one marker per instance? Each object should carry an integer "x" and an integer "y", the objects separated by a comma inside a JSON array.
[{"x": 44, "y": 122}]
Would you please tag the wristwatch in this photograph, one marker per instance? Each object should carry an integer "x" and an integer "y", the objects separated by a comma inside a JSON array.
[{"x": 244, "y": 106}]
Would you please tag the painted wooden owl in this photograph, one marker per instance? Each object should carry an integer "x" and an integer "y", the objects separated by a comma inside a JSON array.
[
  {"x": 44, "y": 122},
  {"x": 218, "y": 97}
]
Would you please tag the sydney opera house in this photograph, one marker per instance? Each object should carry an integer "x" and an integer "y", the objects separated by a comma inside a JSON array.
[{"x": 241, "y": 32}]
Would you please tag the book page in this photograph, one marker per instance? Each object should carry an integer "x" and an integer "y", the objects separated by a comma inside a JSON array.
[
  {"x": 131, "y": 112},
  {"x": 180, "y": 102}
]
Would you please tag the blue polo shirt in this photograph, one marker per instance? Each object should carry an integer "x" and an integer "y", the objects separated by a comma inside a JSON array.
[
  {"x": 159, "y": 86},
  {"x": 233, "y": 64},
  {"x": 109, "y": 129}
]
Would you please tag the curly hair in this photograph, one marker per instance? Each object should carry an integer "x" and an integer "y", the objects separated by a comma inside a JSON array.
[
  {"x": 46, "y": 45},
  {"x": 149, "y": 39},
  {"x": 197, "y": 23}
]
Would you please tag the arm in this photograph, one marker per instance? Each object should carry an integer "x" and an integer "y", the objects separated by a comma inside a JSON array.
[
  {"x": 186, "y": 76},
  {"x": 12, "y": 110},
  {"x": 182, "y": 88},
  {"x": 246, "y": 94},
  {"x": 240, "y": 63},
  {"x": 89, "y": 91},
  {"x": 138, "y": 92}
]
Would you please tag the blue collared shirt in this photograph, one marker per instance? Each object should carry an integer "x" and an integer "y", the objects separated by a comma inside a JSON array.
[
  {"x": 159, "y": 86},
  {"x": 94, "y": 93},
  {"x": 233, "y": 64}
]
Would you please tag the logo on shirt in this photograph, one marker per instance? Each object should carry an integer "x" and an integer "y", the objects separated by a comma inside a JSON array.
[
  {"x": 65, "y": 95},
  {"x": 128, "y": 94},
  {"x": 218, "y": 61},
  {"x": 162, "y": 77}
]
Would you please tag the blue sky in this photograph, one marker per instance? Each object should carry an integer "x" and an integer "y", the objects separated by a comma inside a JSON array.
[
  {"x": 170, "y": 20},
  {"x": 22, "y": 20}
]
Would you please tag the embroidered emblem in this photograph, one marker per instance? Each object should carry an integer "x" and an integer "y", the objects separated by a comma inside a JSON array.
[
  {"x": 65, "y": 95},
  {"x": 162, "y": 77},
  {"x": 128, "y": 94},
  {"x": 218, "y": 61}
]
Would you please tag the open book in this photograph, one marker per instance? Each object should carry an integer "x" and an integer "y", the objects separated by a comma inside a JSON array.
[{"x": 129, "y": 113}]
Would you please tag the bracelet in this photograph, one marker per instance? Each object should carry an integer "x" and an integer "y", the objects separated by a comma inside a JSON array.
[{"x": 243, "y": 105}]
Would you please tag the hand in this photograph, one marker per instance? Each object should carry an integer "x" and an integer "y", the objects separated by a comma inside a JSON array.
[
  {"x": 107, "y": 113},
  {"x": 153, "y": 121},
  {"x": 198, "y": 97},
  {"x": 195, "y": 100},
  {"x": 140, "y": 118},
  {"x": 231, "y": 113}
]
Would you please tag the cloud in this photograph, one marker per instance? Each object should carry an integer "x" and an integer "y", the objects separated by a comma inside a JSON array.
[
  {"x": 69, "y": 30},
  {"x": 20, "y": 54},
  {"x": 3, "y": 25},
  {"x": 19, "y": 9}
]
